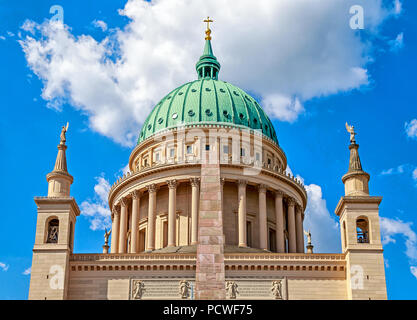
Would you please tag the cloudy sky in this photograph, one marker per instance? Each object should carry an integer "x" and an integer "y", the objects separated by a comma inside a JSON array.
[{"x": 110, "y": 62}]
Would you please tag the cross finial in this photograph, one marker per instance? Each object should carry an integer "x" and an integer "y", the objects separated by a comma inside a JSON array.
[{"x": 208, "y": 31}]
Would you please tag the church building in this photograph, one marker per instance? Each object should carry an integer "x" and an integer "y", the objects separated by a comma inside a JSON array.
[{"x": 208, "y": 211}]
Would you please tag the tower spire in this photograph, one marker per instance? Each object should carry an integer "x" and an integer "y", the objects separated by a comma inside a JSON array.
[
  {"x": 355, "y": 180},
  {"x": 59, "y": 179},
  {"x": 208, "y": 66}
]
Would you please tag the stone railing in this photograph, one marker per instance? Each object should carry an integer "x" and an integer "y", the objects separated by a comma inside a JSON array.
[
  {"x": 284, "y": 257},
  {"x": 132, "y": 257}
]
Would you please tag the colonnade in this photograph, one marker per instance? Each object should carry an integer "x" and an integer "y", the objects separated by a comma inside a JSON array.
[{"x": 288, "y": 225}]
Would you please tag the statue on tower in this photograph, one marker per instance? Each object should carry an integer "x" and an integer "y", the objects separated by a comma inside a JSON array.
[
  {"x": 63, "y": 132},
  {"x": 309, "y": 245},
  {"x": 351, "y": 130}
]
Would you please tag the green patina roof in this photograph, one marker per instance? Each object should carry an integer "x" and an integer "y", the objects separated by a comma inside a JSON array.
[{"x": 207, "y": 101}]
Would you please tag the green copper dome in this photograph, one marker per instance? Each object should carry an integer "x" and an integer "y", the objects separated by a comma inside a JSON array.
[{"x": 207, "y": 101}]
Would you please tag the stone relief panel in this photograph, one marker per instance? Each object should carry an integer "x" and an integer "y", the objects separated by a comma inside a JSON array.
[
  {"x": 154, "y": 289},
  {"x": 256, "y": 289},
  {"x": 183, "y": 289}
]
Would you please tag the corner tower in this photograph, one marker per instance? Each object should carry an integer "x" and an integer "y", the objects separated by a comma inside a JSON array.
[
  {"x": 361, "y": 238},
  {"x": 54, "y": 232}
]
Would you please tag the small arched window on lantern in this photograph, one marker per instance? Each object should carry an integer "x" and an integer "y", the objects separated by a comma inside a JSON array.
[
  {"x": 53, "y": 231},
  {"x": 362, "y": 230}
]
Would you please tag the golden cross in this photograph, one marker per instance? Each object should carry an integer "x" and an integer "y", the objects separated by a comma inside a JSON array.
[
  {"x": 208, "y": 31},
  {"x": 208, "y": 20}
]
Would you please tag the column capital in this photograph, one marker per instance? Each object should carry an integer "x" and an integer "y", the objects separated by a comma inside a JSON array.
[
  {"x": 299, "y": 208},
  {"x": 123, "y": 202},
  {"x": 291, "y": 201},
  {"x": 195, "y": 182},
  {"x": 242, "y": 182},
  {"x": 262, "y": 188},
  {"x": 115, "y": 211},
  {"x": 151, "y": 188},
  {"x": 172, "y": 184},
  {"x": 222, "y": 181},
  {"x": 136, "y": 194},
  {"x": 279, "y": 194}
]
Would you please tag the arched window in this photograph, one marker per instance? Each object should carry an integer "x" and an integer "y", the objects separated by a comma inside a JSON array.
[
  {"x": 362, "y": 230},
  {"x": 53, "y": 231}
]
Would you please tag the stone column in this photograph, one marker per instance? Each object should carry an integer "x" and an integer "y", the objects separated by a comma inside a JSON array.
[
  {"x": 279, "y": 220},
  {"x": 263, "y": 225},
  {"x": 151, "y": 217},
  {"x": 299, "y": 227},
  {"x": 123, "y": 226},
  {"x": 115, "y": 230},
  {"x": 194, "y": 209},
  {"x": 291, "y": 226},
  {"x": 172, "y": 208},
  {"x": 135, "y": 221},
  {"x": 242, "y": 213}
]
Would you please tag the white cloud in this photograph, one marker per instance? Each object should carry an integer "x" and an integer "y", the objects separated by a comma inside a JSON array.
[
  {"x": 398, "y": 7},
  {"x": 324, "y": 229},
  {"x": 100, "y": 24},
  {"x": 2, "y": 38},
  {"x": 415, "y": 174},
  {"x": 125, "y": 169},
  {"x": 97, "y": 210},
  {"x": 411, "y": 128},
  {"x": 282, "y": 107},
  {"x": 29, "y": 26},
  {"x": 4, "y": 266},
  {"x": 413, "y": 271},
  {"x": 397, "y": 170},
  {"x": 286, "y": 52},
  {"x": 391, "y": 228},
  {"x": 397, "y": 43},
  {"x": 27, "y": 271}
]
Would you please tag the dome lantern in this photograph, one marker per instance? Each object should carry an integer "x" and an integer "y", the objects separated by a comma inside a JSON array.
[{"x": 208, "y": 66}]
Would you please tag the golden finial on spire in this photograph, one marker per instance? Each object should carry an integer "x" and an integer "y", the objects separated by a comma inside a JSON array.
[{"x": 208, "y": 31}]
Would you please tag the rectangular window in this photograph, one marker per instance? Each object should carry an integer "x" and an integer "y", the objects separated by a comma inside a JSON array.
[
  {"x": 258, "y": 156},
  {"x": 249, "y": 233},
  {"x": 226, "y": 149},
  {"x": 242, "y": 152},
  {"x": 189, "y": 149},
  {"x": 207, "y": 147},
  {"x": 272, "y": 241},
  {"x": 157, "y": 156},
  {"x": 172, "y": 152},
  {"x": 269, "y": 161}
]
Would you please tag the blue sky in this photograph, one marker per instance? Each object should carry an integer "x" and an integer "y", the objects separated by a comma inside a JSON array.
[{"x": 309, "y": 88}]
